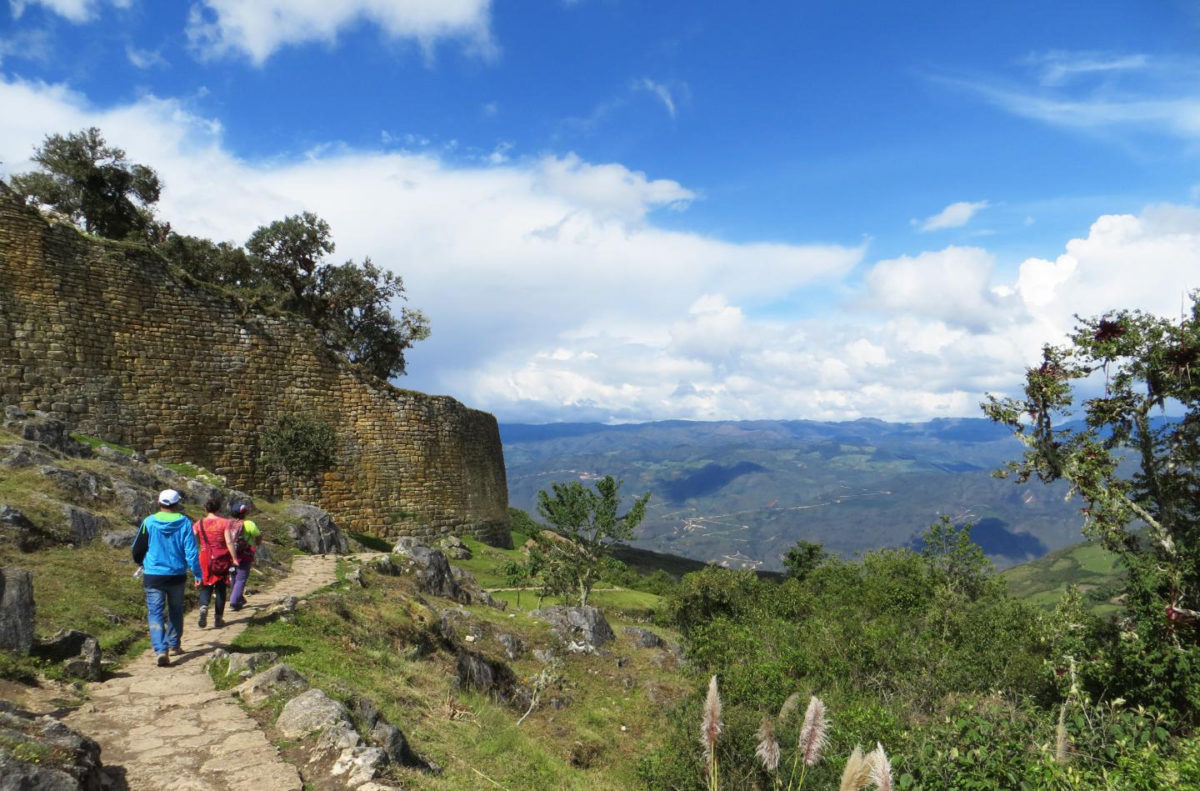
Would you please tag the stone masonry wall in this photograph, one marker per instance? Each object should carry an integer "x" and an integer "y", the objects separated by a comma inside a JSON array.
[{"x": 109, "y": 338}]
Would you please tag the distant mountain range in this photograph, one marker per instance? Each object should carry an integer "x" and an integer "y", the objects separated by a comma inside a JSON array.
[{"x": 740, "y": 493}]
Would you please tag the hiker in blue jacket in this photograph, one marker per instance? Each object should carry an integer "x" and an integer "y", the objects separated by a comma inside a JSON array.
[{"x": 165, "y": 548}]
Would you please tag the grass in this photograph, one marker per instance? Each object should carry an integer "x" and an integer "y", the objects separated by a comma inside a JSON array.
[
  {"x": 95, "y": 442},
  {"x": 1089, "y": 566},
  {"x": 92, "y": 588},
  {"x": 379, "y": 642}
]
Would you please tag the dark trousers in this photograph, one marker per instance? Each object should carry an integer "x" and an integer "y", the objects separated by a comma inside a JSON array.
[{"x": 206, "y": 592}]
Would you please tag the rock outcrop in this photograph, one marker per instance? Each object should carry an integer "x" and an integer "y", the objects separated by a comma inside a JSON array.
[{"x": 16, "y": 610}]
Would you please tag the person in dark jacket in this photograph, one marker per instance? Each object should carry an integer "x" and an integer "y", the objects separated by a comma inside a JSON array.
[{"x": 166, "y": 549}]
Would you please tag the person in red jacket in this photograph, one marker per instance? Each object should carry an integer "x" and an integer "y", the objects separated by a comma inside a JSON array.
[{"x": 214, "y": 534}]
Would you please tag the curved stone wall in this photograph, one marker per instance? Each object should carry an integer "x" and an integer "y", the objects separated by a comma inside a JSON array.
[{"x": 108, "y": 337}]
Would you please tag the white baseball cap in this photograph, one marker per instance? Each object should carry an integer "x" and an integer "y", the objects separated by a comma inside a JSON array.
[{"x": 169, "y": 497}]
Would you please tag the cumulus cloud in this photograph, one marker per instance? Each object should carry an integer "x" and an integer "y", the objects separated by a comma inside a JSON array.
[
  {"x": 952, "y": 285},
  {"x": 555, "y": 295},
  {"x": 256, "y": 30},
  {"x": 956, "y": 215}
]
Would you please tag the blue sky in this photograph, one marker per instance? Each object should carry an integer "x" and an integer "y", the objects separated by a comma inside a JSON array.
[{"x": 623, "y": 210}]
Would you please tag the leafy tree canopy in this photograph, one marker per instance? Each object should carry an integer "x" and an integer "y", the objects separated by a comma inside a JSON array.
[
  {"x": 1132, "y": 465},
  {"x": 589, "y": 521},
  {"x": 91, "y": 182}
]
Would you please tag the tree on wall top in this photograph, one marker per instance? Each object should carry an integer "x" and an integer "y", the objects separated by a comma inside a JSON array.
[{"x": 91, "y": 182}]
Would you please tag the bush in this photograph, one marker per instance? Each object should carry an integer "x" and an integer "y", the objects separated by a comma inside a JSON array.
[{"x": 298, "y": 445}]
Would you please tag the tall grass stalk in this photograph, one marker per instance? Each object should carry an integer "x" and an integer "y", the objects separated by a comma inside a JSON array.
[
  {"x": 812, "y": 740},
  {"x": 710, "y": 729},
  {"x": 857, "y": 773},
  {"x": 767, "y": 751}
]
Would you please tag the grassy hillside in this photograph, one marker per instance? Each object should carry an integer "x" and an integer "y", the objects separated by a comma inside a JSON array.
[{"x": 1090, "y": 567}]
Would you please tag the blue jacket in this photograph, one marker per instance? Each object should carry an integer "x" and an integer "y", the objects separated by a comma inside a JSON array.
[{"x": 170, "y": 545}]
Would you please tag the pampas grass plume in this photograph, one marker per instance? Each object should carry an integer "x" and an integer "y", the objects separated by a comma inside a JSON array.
[
  {"x": 768, "y": 747},
  {"x": 813, "y": 735},
  {"x": 881, "y": 768},
  {"x": 789, "y": 707},
  {"x": 857, "y": 772},
  {"x": 710, "y": 728}
]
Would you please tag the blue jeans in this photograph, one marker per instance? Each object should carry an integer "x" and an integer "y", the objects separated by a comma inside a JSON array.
[{"x": 166, "y": 628}]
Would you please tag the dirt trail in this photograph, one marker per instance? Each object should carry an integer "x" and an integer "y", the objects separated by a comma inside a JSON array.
[{"x": 167, "y": 728}]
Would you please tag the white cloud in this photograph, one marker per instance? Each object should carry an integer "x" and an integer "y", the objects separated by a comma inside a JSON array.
[
  {"x": 660, "y": 90},
  {"x": 956, "y": 215},
  {"x": 144, "y": 58},
  {"x": 1059, "y": 67},
  {"x": 77, "y": 11},
  {"x": 953, "y": 285},
  {"x": 553, "y": 294},
  {"x": 1127, "y": 93},
  {"x": 257, "y": 29}
]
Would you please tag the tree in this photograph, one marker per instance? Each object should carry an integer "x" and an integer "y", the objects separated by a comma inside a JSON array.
[
  {"x": 91, "y": 182},
  {"x": 589, "y": 523},
  {"x": 956, "y": 562},
  {"x": 352, "y": 307},
  {"x": 290, "y": 251},
  {"x": 1132, "y": 464},
  {"x": 802, "y": 558},
  {"x": 349, "y": 304}
]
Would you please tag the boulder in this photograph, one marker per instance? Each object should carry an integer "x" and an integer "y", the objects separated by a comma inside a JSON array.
[
  {"x": 79, "y": 485},
  {"x": 433, "y": 570},
  {"x": 583, "y": 629},
  {"x": 386, "y": 566},
  {"x": 51, "y": 432},
  {"x": 42, "y": 753},
  {"x": 514, "y": 646},
  {"x": 475, "y": 671},
  {"x": 455, "y": 548},
  {"x": 474, "y": 592},
  {"x": 113, "y": 455},
  {"x": 246, "y": 665},
  {"x": 310, "y": 712},
  {"x": 18, "y": 457},
  {"x": 16, "y": 528},
  {"x": 16, "y": 610},
  {"x": 277, "y": 680},
  {"x": 644, "y": 637},
  {"x": 134, "y": 502},
  {"x": 197, "y": 491},
  {"x": 62, "y": 645},
  {"x": 120, "y": 539},
  {"x": 383, "y": 734},
  {"x": 314, "y": 532},
  {"x": 87, "y": 664},
  {"x": 83, "y": 525}
]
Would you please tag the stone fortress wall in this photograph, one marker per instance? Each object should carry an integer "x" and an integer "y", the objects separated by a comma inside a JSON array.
[{"x": 111, "y": 339}]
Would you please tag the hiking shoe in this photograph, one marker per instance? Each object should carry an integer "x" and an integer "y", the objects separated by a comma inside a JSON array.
[
  {"x": 218, "y": 622},
  {"x": 203, "y": 622},
  {"x": 177, "y": 650},
  {"x": 163, "y": 660}
]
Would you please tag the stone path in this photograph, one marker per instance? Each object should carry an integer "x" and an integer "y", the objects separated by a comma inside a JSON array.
[{"x": 167, "y": 728}]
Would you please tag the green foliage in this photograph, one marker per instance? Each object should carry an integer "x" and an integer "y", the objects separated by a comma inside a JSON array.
[
  {"x": 90, "y": 181},
  {"x": 290, "y": 251},
  {"x": 1139, "y": 476},
  {"x": 803, "y": 558},
  {"x": 522, "y": 523},
  {"x": 224, "y": 263},
  {"x": 589, "y": 523},
  {"x": 349, "y": 303},
  {"x": 954, "y": 560},
  {"x": 298, "y": 444}
]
